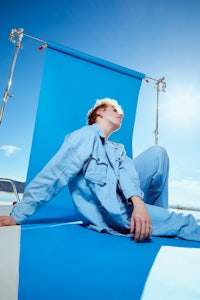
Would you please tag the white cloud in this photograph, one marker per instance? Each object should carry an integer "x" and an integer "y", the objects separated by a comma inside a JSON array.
[
  {"x": 10, "y": 150},
  {"x": 185, "y": 192},
  {"x": 186, "y": 184}
]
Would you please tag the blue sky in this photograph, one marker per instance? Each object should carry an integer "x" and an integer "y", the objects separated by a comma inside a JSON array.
[{"x": 155, "y": 37}]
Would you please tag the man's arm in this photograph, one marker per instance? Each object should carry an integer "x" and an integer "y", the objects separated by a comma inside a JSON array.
[
  {"x": 62, "y": 168},
  {"x": 140, "y": 223}
]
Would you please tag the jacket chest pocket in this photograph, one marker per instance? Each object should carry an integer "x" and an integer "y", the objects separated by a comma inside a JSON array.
[{"x": 95, "y": 170}]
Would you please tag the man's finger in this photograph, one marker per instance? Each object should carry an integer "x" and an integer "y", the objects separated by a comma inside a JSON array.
[
  {"x": 132, "y": 227},
  {"x": 138, "y": 228}
]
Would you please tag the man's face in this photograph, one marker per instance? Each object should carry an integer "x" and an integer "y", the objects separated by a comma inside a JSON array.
[{"x": 113, "y": 117}]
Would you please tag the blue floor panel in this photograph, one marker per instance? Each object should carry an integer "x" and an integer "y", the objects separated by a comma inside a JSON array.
[{"x": 71, "y": 262}]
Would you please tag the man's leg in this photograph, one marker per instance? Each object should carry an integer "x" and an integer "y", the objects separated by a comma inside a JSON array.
[
  {"x": 171, "y": 224},
  {"x": 153, "y": 168}
]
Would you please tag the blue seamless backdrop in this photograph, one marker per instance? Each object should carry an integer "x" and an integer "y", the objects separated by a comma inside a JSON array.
[{"x": 72, "y": 81}]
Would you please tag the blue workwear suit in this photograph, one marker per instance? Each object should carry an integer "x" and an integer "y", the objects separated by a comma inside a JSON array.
[{"x": 101, "y": 179}]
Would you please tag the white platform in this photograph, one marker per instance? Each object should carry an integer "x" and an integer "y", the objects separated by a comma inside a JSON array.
[
  {"x": 9, "y": 262},
  {"x": 175, "y": 275}
]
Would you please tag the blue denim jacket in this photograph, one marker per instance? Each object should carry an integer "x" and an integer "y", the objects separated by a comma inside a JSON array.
[{"x": 92, "y": 167}]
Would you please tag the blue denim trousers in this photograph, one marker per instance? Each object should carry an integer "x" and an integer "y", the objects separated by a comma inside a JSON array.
[{"x": 153, "y": 168}]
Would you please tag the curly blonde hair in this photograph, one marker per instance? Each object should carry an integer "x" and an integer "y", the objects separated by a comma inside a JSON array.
[{"x": 102, "y": 104}]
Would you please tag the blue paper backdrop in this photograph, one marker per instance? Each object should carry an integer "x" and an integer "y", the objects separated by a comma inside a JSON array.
[{"x": 72, "y": 81}]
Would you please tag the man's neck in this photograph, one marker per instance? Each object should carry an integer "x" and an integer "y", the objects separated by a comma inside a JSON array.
[{"x": 104, "y": 128}]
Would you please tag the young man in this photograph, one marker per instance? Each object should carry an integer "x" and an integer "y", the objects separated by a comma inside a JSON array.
[{"x": 112, "y": 192}]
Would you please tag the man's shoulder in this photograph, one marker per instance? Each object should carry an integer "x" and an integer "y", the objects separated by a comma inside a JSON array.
[
  {"x": 86, "y": 130},
  {"x": 83, "y": 133}
]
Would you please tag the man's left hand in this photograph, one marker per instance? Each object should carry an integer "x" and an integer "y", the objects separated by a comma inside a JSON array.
[{"x": 141, "y": 224}]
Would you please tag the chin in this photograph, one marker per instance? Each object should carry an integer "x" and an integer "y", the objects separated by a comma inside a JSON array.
[{"x": 117, "y": 127}]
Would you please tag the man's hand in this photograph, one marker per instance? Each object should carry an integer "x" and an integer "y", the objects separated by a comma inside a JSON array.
[
  {"x": 141, "y": 224},
  {"x": 7, "y": 221}
]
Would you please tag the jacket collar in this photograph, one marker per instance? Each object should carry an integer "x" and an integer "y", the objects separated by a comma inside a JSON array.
[{"x": 99, "y": 131}]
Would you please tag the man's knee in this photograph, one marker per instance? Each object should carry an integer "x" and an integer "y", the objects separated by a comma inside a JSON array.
[
  {"x": 158, "y": 151},
  {"x": 160, "y": 157},
  {"x": 154, "y": 158}
]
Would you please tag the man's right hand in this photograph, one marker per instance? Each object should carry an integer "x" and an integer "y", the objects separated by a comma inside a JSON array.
[{"x": 7, "y": 221}]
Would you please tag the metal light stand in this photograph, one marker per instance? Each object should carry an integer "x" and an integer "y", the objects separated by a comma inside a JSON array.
[
  {"x": 16, "y": 36},
  {"x": 160, "y": 85}
]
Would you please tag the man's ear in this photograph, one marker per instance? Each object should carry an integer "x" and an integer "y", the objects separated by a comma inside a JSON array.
[{"x": 100, "y": 112}]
